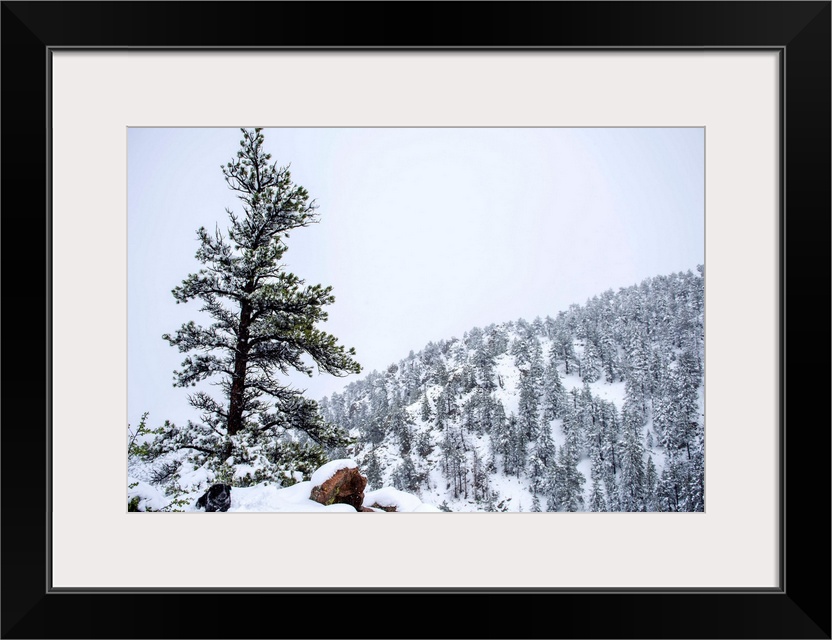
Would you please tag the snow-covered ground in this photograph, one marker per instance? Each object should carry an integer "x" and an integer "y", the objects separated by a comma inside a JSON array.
[{"x": 269, "y": 497}]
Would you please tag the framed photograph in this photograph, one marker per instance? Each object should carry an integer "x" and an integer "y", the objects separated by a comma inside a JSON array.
[
  {"x": 519, "y": 400},
  {"x": 653, "y": 176}
]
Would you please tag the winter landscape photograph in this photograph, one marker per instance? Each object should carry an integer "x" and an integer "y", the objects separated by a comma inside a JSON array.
[{"x": 429, "y": 320}]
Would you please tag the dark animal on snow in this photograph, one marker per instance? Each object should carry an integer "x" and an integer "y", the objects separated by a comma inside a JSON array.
[{"x": 217, "y": 498}]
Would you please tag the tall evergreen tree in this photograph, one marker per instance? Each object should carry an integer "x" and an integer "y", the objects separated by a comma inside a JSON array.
[
  {"x": 554, "y": 394},
  {"x": 651, "y": 482},
  {"x": 483, "y": 359},
  {"x": 425, "y": 409},
  {"x": 479, "y": 476},
  {"x": 631, "y": 486},
  {"x": 498, "y": 436},
  {"x": 597, "y": 502},
  {"x": 401, "y": 427},
  {"x": 373, "y": 470},
  {"x": 405, "y": 477},
  {"x": 531, "y": 382},
  {"x": 541, "y": 459},
  {"x": 590, "y": 363},
  {"x": 688, "y": 379},
  {"x": 264, "y": 324},
  {"x": 570, "y": 494},
  {"x": 514, "y": 446},
  {"x": 562, "y": 343}
]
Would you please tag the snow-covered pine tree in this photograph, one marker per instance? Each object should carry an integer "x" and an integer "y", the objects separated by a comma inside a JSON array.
[
  {"x": 405, "y": 477},
  {"x": 651, "y": 481},
  {"x": 264, "y": 321},
  {"x": 372, "y": 469},
  {"x": 597, "y": 502},
  {"x": 571, "y": 481},
  {"x": 562, "y": 343},
  {"x": 631, "y": 485},
  {"x": 514, "y": 446},
  {"x": 426, "y": 412},
  {"x": 591, "y": 362},
  {"x": 554, "y": 395},
  {"x": 541, "y": 459},
  {"x": 527, "y": 417}
]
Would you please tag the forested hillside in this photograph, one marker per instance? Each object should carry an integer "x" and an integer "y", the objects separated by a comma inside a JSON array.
[{"x": 598, "y": 407}]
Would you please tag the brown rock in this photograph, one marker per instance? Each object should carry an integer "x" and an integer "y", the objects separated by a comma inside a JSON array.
[{"x": 345, "y": 486}]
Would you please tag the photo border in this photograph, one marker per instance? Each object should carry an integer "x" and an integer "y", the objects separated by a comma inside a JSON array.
[{"x": 799, "y": 31}]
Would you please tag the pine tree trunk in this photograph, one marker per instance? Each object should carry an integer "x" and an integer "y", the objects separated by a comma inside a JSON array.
[{"x": 235, "y": 408}]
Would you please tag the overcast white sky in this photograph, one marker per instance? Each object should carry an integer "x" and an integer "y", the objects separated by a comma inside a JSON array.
[{"x": 424, "y": 233}]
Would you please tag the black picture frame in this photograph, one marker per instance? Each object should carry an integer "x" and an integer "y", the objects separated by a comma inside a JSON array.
[{"x": 799, "y": 608}]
